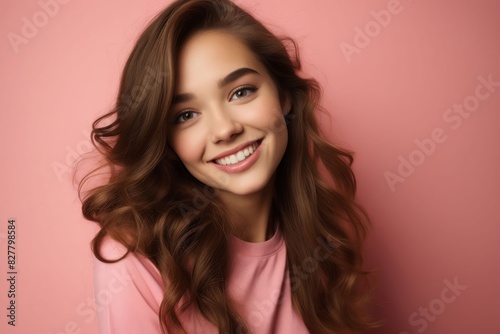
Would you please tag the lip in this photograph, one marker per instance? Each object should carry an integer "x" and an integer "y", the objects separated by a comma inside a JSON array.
[
  {"x": 236, "y": 149},
  {"x": 242, "y": 165}
]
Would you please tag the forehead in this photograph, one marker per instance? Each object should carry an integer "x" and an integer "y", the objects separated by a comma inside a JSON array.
[{"x": 209, "y": 56}]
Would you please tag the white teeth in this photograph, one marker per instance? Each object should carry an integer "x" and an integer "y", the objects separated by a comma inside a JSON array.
[{"x": 238, "y": 156}]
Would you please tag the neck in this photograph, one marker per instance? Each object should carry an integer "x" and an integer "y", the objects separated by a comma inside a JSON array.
[{"x": 250, "y": 215}]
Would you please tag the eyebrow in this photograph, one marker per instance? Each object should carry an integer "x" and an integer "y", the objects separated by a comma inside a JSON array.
[{"x": 231, "y": 77}]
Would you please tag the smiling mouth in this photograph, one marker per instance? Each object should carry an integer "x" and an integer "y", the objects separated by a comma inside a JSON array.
[{"x": 239, "y": 156}]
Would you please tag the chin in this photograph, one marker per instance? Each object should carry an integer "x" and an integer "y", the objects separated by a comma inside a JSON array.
[{"x": 250, "y": 188}]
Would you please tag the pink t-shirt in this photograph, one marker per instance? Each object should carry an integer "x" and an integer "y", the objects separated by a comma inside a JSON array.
[{"x": 128, "y": 293}]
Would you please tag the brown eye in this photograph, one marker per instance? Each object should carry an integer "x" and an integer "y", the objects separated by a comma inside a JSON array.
[
  {"x": 243, "y": 92},
  {"x": 185, "y": 116}
]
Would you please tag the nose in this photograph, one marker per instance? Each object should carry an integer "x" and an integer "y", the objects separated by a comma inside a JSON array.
[{"x": 224, "y": 126}]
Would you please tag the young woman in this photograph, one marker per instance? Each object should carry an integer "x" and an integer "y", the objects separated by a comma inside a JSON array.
[{"x": 225, "y": 211}]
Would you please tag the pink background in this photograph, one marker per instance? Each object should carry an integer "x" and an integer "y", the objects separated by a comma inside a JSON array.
[{"x": 437, "y": 228}]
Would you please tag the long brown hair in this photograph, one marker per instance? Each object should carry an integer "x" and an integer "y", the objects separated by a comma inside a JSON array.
[{"x": 148, "y": 204}]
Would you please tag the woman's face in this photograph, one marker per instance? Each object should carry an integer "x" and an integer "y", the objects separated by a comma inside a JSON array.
[{"x": 226, "y": 123}]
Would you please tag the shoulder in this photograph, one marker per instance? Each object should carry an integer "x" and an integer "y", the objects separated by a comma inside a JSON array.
[{"x": 128, "y": 293}]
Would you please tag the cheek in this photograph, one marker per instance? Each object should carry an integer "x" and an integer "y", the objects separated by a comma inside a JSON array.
[
  {"x": 266, "y": 115},
  {"x": 275, "y": 122},
  {"x": 189, "y": 146},
  {"x": 281, "y": 140}
]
